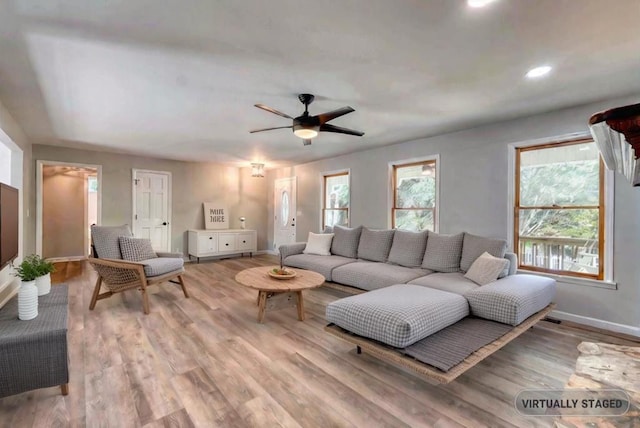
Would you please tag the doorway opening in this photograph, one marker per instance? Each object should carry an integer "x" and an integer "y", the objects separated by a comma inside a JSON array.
[{"x": 68, "y": 200}]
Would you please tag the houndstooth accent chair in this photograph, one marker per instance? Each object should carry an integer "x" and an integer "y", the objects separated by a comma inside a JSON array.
[{"x": 117, "y": 275}]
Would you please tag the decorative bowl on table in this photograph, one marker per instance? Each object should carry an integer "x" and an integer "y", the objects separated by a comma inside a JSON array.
[{"x": 281, "y": 273}]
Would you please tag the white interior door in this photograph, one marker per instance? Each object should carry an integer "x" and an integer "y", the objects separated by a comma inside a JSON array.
[
  {"x": 284, "y": 226},
  {"x": 151, "y": 207}
]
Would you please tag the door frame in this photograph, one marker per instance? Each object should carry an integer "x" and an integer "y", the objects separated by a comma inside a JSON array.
[
  {"x": 134, "y": 220},
  {"x": 40, "y": 164}
]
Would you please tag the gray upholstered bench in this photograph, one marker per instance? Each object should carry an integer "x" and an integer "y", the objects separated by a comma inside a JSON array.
[
  {"x": 398, "y": 315},
  {"x": 33, "y": 354}
]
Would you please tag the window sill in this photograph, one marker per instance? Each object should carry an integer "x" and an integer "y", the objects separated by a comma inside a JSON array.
[{"x": 610, "y": 285}]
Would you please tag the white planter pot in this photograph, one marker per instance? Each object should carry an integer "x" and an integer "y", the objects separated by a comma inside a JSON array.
[
  {"x": 28, "y": 301},
  {"x": 43, "y": 283}
]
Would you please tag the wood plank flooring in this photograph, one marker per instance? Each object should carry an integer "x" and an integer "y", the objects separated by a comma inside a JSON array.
[{"x": 206, "y": 362}]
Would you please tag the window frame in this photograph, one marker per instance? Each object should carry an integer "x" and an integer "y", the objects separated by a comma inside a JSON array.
[
  {"x": 604, "y": 278},
  {"x": 323, "y": 195},
  {"x": 392, "y": 194}
]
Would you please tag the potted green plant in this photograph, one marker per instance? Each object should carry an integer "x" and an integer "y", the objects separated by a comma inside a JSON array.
[
  {"x": 28, "y": 270},
  {"x": 43, "y": 281}
]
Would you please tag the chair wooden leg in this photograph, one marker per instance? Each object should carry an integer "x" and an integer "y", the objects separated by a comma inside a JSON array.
[
  {"x": 96, "y": 291},
  {"x": 145, "y": 296},
  {"x": 64, "y": 388},
  {"x": 184, "y": 289}
]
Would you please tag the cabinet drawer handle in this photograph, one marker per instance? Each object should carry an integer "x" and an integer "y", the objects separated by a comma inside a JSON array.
[
  {"x": 211, "y": 237},
  {"x": 244, "y": 242}
]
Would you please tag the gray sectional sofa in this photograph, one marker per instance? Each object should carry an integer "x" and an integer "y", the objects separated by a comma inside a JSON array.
[{"x": 373, "y": 260}]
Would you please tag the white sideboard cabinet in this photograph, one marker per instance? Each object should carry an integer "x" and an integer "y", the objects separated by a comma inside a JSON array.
[{"x": 222, "y": 242}]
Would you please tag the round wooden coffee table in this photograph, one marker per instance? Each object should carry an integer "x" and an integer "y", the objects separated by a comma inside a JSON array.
[{"x": 258, "y": 279}]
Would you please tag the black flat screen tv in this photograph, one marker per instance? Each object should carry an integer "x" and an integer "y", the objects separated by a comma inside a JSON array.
[{"x": 8, "y": 224}]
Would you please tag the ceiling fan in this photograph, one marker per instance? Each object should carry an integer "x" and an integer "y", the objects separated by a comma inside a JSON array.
[{"x": 306, "y": 126}]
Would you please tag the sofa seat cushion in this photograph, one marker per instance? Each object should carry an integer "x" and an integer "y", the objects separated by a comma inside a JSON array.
[
  {"x": 398, "y": 315},
  {"x": 162, "y": 265},
  {"x": 513, "y": 299},
  {"x": 324, "y": 265},
  {"x": 371, "y": 275},
  {"x": 453, "y": 282}
]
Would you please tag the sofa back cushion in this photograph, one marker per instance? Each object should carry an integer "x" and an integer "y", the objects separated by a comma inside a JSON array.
[
  {"x": 443, "y": 252},
  {"x": 473, "y": 246},
  {"x": 345, "y": 241},
  {"x": 375, "y": 244},
  {"x": 408, "y": 248}
]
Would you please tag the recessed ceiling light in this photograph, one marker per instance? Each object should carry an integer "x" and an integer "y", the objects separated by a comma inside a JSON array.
[
  {"x": 479, "y": 3},
  {"x": 538, "y": 72}
]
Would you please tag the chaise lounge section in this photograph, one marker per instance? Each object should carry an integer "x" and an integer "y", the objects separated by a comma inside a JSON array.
[{"x": 421, "y": 288}]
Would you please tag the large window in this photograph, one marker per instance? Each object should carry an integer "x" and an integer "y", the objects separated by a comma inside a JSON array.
[
  {"x": 559, "y": 209},
  {"x": 335, "y": 199},
  {"x": 414, "y": 196}
]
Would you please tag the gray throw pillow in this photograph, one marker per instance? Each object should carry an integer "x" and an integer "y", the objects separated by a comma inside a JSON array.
[
  {"x": 375, "y": 244},
  {"x": 443, "y": 252},
  {"x": 473, "y": 246},
  {"x": 345, "y": 241},
  {"x": 408, "y": 248},
  {"x": 136, "y": 249}
]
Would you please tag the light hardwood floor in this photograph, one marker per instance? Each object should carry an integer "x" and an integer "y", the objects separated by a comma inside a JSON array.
[{"x": 205, "y": 361}]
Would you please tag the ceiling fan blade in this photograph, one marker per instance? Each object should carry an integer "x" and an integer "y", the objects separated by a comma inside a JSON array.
[
  {"x": 330, "y": 115},
  {"x": 272, "y": 110},
  {"x": 306, "y": 142},
  {"x": 269, "y": 129},
  {"x": 340, "y": 130}
]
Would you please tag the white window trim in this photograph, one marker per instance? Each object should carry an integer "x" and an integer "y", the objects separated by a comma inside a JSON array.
[
  {"x": 322, "y": 190},
  {"x": 390, "y": 190},
  {"x": 607, "y": 282}
]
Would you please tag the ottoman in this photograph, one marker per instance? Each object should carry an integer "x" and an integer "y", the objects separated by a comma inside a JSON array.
[{"x": 398, "y": 315}]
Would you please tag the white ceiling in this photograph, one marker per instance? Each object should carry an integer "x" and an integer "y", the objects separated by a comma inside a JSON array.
[{"x": 178, "y": 78}]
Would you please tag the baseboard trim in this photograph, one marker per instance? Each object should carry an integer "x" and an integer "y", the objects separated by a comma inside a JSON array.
[
  {"x": 594, "y": 322},
  {"x": 66, "y": 259}
]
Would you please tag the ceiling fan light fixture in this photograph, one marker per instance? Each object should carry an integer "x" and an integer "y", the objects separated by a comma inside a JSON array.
[
  {"x": 305, "y": 132},
  {"x": 257, "y": 170},
  {"x": 538, "y": 72},
  {"x": 478, "y": 3}
]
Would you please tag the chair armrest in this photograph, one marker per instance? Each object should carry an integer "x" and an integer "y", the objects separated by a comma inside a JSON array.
[
  {"x": 173, "y": 255},
  {"x": 117, "y": 263},
  {"x": 287, "y": 250}
]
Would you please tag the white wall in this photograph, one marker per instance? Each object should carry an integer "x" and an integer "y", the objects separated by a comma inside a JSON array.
[
  {"x": 13, "y": 140},
  {"x": 474, "y": 198},
  {"x": 192, "y": 184}
]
